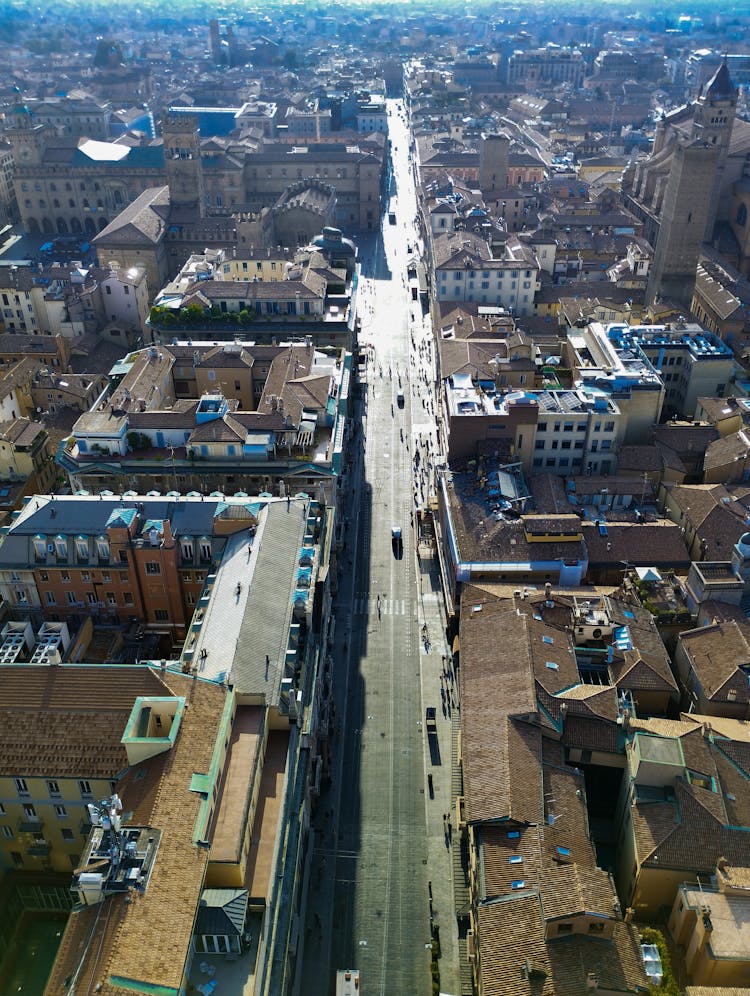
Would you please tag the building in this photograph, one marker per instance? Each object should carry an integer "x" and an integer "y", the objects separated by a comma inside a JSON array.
[
  {"x": 713, "y": 663},
  {"x": 464, "y": 270},
  {"x": 542, "y": 916},
  {"x": 682, "y": 807},
  {"x": 222, "y": 417},
  {"x": 546, "y": 67},
  {"x": 683, "y": 188},
  {"x": 73, "y": 300},
  {"x": 690, "y": 361},
  {"x": 185, "y": 746},
  {"x": 26, "y": 454},
  {"x": 65, "y": 187},
  {"x": 709, "y": 924}
]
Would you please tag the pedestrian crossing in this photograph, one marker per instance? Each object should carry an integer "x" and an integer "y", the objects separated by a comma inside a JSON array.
[{"x": 367, "y": 605}]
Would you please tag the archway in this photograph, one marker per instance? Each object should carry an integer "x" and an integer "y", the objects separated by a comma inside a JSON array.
[
  {"x": 32, "y": 226},
  {"x": 89, "y": 226},
  {"x": 47, "y": 226},
  {"x": 62, "y": 228},
  {"x": 75, "y": 226}
]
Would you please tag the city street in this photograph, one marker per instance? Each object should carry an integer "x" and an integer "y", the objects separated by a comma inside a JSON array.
[{"x": 372, "y": 866}]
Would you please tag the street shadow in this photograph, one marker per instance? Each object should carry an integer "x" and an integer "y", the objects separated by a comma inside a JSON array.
[{"x": 374, "y": 263}]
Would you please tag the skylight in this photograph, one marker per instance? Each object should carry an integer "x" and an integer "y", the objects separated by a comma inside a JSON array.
[
  {"x": 517, "y": 884},
  {"x": 552, "y": 666},
  {"x": 547, "y": 639},
  {"x": 513, "y": 834},
  {"x": 515, "y": 859},
  {"x": 564, "y": 852}
]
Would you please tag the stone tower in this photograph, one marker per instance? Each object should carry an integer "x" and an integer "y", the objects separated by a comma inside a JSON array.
[
  {"x": 182, "y": 161},
  {"x": 714, "y": 116},
  {"x": 493, "y": 165},
  {"x": 687, "y": 201},
  {"x": 29, "y": 140}
]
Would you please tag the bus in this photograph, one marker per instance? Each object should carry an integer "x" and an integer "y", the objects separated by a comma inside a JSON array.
[{"x": 347, "y": 982}]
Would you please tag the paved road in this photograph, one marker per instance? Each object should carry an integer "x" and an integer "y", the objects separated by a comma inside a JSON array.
[{"x": 369, "y": 887}]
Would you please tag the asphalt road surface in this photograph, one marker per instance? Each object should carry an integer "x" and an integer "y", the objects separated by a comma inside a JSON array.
[{"x": 373, "y": 853}]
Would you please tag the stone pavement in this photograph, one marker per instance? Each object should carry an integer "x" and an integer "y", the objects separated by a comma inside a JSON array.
[{"x": 442, "y": 838}]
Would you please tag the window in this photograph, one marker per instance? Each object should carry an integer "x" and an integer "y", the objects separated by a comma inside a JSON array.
[
  {"x": 596, "y": 928},
  {"x": 161, "y": 615},
  {"x": 84, "y": 786},
  {"x": 72, "y": 599},
  {"x": 64, "y": 576},
  {"x": 123, "y": 556},
  {"x": 541, "y": 427},
  {"x": 29, "y": 812},
  {"x": 127, "y": 597},
  {"x": 21, "y": 787},
  {"x": 205, "y": 550},
  {"x": 17, "y": 858},
  {"x": 111, "y": 599},
  {"x": 538, "y": 461},
  {"x": 91, "y": 597},
  {"x": 67, "y": 833},
  {"x": 609, "y": 426},
  {"x": 539, "y": 444},
  {"x": 153, "y": 567},
  {"x": 186, "y": 547},
  {"x": 61, "y": 812},
  {"x": 53, "y": 788},
  {"x": 7, "y": 832},
  {"x": 565, "y": 928}
]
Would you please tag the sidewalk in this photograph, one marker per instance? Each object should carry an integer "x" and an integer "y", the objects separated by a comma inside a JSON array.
[{"x": 441, "y": 693}]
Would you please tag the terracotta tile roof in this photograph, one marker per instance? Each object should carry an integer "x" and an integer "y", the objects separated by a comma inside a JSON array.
[
  {"x": 641, "y": 544},
  {"x": 591, "y": 701},
  {"x": 591, "y": 734},
  {"x": 717, "y": 654},
  {"x": 617, "y": 964},
  {"x": 510, "y": 935},
  {"x": 149, "y": 939},
  {"x": 572, "y": 889},
  {"x": 501, "y": 849},
  {"x": 67, "y": 721}
]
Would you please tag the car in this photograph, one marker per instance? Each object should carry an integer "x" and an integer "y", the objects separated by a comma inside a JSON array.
[
  {"x": 391, "y": 217},
  {"x": 431, "y": 719},
  {"x": 395, "y": 532},
  {"x": 400, "y": 398}
]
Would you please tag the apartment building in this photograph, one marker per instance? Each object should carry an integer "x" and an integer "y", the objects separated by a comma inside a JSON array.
[
  {"x": 73, "y": 300},
  {"x": 26, "y": 454},
  {"x": 683, "y": 807},
  {"x": 464, "y": 270},
  {"x": 227, "y": 417},
  {"x": 554, "y": 431},
  {"x": 67, "y": 557}
]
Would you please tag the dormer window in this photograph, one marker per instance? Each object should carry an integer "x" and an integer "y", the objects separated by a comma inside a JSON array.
[
  {"x": 40, "y": 547},
  {"x": 82, "y": 548},
  {"x": 205, "y": 548},
  {"x": 187, "y": 549},
  {"x": 102, "y": 547},
  {"x": 61, "y": 547}
]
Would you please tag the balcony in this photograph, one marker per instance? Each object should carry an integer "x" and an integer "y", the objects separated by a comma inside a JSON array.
[
  {"x": 30, "y": 825},
  {"x": 39, "y": 850}
]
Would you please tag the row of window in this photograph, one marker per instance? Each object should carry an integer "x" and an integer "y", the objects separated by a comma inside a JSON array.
[
  {"x": 567, "y": 444},
  {"x": 574, "y": 463},
  {"x": 575, "y": 427},
  {"x": 53, "y": 787}
]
